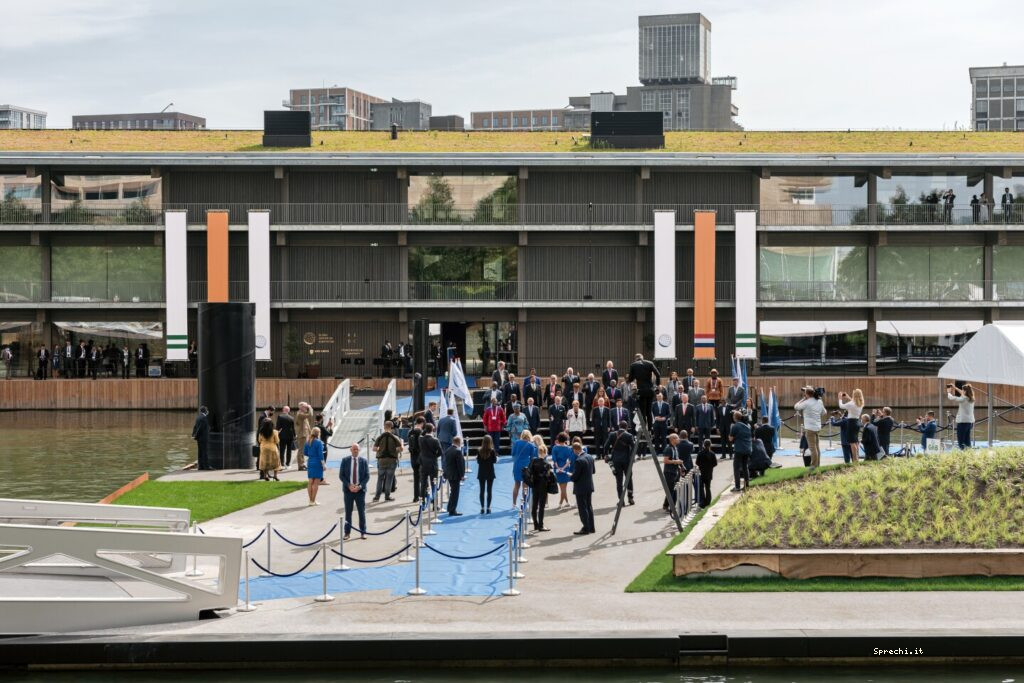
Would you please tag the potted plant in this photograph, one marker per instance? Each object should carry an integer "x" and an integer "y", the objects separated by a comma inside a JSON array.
[
  {"x": 313, "y": 369},
  {"x": 291, "y": 354}
]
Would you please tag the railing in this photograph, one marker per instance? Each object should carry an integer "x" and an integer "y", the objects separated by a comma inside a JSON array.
[
  {"x": 930, "y": 291},
  {"x": 50, "y": 513},
  {"x": 896, "y": 290},
  {"x": 64, "y": 291},
  {"x": 482, "y": 290},
  {"x": 812, "y": 291},
  {"x": 506, "y": 213}
]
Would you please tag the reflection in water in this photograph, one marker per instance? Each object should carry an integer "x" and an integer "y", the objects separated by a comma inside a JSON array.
[{"x": 84, "y": 455}]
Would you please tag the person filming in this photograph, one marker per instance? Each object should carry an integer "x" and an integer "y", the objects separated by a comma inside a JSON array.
[{"x": 964, "y": 413}]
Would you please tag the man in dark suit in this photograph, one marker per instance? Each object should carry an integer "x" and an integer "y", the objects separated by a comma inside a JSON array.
[
  {"x": 68, "y": 360},
  {"x": 81, "y": 358},
  {"x": 454, "y": 473},
  {"x": 620, "y": 413},
  {"x": 683, "y": 414},
  {"x": 430, "y": 453},
  {"x": 736, "y": 397},
  {"x": 678, "y": 460},
  {"x": 532, "y": 388},
  {"x": 355, "y": 476},
  {"x": 583, "y": 488},
  {"x": 659, "y": 428},
  {"x": 532, "y": 413},
  {"x": 706, "y": 418},
  {"x": 95, "y": 358},
  {"x": 447, "y": 429},
  {"x": 500, "y": 375},
  {"x": 141, "y": 359},
  {"x": 647, "y": 378},
  {"x": 414, "y": 455},
  {"x": 201, "y": 434},
  {"x": 286, "y": 435},
  {"x": 609, "y": 375},
  {"x": 569, "y": 379},
  {"x": 590, "y": 388},
  {"x": 765, "y": 433},
  {"x": 43, "y": 356},
  {"x": 511, "y": 393},
  {"x": 619, "y": 447},
  {"x": 574, "y": 395},
  {"x": 600, "y": 422},
  {"x": 869, "y": 439},
  {"x": 556, "y": 417},
  {"x": 884, "y": 425},
  {"x": 613, "y": 392},
  {"x": 690, "y": 380},
  {"x": 428, "y": 414}
]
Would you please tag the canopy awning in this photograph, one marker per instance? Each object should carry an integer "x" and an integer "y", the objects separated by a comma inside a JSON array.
[{"x": 994, "y": 355}]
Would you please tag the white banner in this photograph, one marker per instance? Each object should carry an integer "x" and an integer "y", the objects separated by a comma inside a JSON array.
[
  {"x": 746, "y": 284},
  {"x": 176, "y": 282},
  {"x": 259, "y": 278},
  {"x": 664, "y": 285}
]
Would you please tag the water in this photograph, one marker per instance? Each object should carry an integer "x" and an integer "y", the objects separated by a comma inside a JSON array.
[
  {"x": 975, "y": 674},
  {"x": 84, "y": 455}
]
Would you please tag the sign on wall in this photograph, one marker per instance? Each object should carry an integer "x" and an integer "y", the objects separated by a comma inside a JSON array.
[
  {"x": 259, "y": 278},
  {"x": 746, "y": 284},
  {"x": 665, "y": 285},
  {"x": 176, "y": 282}
]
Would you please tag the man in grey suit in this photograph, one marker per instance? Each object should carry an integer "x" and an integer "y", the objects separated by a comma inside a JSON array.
[
  {"x": 447, "y": 429},
  {"x": 736, "y": 397},
  {"x": 707, "y": 419}
]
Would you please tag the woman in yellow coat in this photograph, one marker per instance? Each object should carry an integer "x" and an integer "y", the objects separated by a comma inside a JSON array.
[{"x": 270, "y": 457}]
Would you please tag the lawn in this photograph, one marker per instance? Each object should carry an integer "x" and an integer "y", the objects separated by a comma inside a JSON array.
[
  {"x": 489, "y": 141},
  {"x": 207, "y": 499},
  {"x": 944, "y": 501}
]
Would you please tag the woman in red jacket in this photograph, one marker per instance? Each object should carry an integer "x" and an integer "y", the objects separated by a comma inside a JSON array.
[{"x": 494, "y": 423}]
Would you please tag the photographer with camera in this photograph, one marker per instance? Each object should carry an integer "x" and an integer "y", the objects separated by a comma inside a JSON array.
[
  {"x": 841, "y": 419},
  {"x": 928, "y": 428},
  {"x": 854, "y": 407},
  {"x": 884, "y": 424},
  {"x": 964, "y": 397},
  {"x": 812, "y": 410}
]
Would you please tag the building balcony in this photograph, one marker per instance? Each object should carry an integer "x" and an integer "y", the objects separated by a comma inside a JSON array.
[{"x": 790, "y": 217}]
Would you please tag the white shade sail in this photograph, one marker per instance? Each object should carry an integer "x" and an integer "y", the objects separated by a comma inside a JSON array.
[{"x": 994, "y": 355}]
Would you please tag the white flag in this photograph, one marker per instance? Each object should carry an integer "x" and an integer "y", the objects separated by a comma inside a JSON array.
[{"x": 459, "y": 387}]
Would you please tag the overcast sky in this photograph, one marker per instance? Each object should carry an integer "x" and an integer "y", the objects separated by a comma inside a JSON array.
[{"x": 807, "y": 64}]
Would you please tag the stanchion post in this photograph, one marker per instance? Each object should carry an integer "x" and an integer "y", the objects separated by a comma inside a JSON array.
[
  {"x": 341, "y": 546},
  {"x": 519, "y": 549},
  {"x": 406, "y": 557},
  {"x": 267, "y": 532},
  {"x": 437, "y": 509},
  {"x": 195, "y": 569},
  {"x": 325, "y": 596},
  {"x": 426, "y": 521},
  {"x": 522, "y": 529},
  {"x": 248, "y": 606},
  {"x": 417, "y": 590},
  {"x": 515, "y": 556},
  {"x": 511, "y": 590}
]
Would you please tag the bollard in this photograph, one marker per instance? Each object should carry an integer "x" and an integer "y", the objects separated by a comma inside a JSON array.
[
  {"x": 406, "y": 557},
  {"x": 515, "y": 559},
  {"x": 195, "y": 569},
  {"x": 522, "y": 530},
  {"x": 519, "y": 549},
  {"x": 419, "y": 538},
  {"x": 267, "y": 531},
  {"x": 437, "y": 509},
  {"x": 325, "y": 596},
  {"x": 248, "y": 606},
  {"x": 341, "y": 547},
  {"x": 425, "y": 523},
  {"x": 417, "y": 590},
  {"x": 511, "y": 590}
]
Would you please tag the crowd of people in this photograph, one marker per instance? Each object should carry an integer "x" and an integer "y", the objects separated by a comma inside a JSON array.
[{"x": 87, "y": 359}]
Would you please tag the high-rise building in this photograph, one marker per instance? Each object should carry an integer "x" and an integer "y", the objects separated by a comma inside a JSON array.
[
  {"x": 674, "y": 49},
  {"x": 166, "y": 120},
  {"x": 334, "y": 108},
  {"x": 407, "y": 115},
  {"x": 21, "y": 118},
  {"x": 998, "y": 97}
]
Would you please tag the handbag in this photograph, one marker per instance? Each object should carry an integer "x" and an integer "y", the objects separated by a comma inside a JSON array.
[{"x": 552, "y": 482}]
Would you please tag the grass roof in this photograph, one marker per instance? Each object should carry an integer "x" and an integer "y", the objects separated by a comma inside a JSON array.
[{"x": 481, "y": 141}]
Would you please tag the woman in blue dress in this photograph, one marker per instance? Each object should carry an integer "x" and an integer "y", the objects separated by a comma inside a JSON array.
[
  {"x": 523, "y": 451},
  {"x": 562, "y": 458},
  {"x": 316, "y": 456}
]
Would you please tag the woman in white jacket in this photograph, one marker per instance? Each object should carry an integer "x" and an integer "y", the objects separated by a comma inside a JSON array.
[
  {"x": 964, "y": 412},
  {"x": 854, "y": 407},
  {"x": 576, "y": 421}
]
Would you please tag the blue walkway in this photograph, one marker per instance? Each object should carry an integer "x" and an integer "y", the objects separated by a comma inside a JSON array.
[{"x": 465, "y": 536}]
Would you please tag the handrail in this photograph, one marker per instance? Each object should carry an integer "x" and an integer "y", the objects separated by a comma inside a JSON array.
[
  {"x": 56, "y": 513},
  {"x": 389, "y": 403}
]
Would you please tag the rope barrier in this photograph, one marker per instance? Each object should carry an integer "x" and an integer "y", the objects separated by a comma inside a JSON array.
[
  {"x": 495, "y": 549},
  {"x": 285, "y": 576},
  {"x": 200, "y": 530},
  {"x": 380, "y": 533},
  {"x": 306, "y": 545},
  {"x": 258, "y": 537},
  {"x": 419, "y": 516},
  {"x": 354, "y": 559}
]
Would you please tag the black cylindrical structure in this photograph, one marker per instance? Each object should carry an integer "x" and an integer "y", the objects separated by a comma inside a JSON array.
[
  {"x": 227, "y": 381},
  {"x": 419, "y": 357}
]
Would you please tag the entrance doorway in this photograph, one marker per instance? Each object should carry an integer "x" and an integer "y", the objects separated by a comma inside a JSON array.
[{"x": 480, "y": 345}]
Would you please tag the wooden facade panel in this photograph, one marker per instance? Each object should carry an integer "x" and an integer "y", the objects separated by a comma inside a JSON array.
[{"x": 553, "y": 346}]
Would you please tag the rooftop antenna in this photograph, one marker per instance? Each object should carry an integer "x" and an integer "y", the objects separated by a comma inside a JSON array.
[{"x": 169, "y": 105}]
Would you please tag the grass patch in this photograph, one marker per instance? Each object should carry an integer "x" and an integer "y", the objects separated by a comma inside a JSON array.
[
  {"x": 953, "y": 500},
  {"x": 657, "y": 576},
  {"x": 806, "y": 142},
  {"x": 207, "y": 499},
  {"x": 790, "y": 473}
]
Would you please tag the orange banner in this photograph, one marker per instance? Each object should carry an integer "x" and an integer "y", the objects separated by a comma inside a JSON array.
[
  {"x": 704, "y": 284},
  {"x": 217, "y": 256}
]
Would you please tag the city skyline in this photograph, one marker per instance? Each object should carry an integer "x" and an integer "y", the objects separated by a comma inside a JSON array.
[{"x": 798, "y": 67}]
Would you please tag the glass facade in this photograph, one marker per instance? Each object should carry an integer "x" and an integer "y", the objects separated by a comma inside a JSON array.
[
  {"x": 912, "y": 273},
  {"x": 107, "y": 273},
  {"x": 463, "y": 198},
  {"x": 813, "y": 200},
  {"x": 463, "y": 264},
  {"x": 23, "y": 338},
  {"x": 916, "y": 346},
  {"x": 813, "y": 273},
  {"x": 114, "y": 198},
  {"x": 22, "y": 274},
  {"x": 20, "y": 199},
  {"x": 924, "y": 198},
  {"x": 1008, "y": 273},
  {"x": 793, "y": 347}
]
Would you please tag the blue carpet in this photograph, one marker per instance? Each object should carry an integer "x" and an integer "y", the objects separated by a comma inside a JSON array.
[{"x": 463, "y": 536}]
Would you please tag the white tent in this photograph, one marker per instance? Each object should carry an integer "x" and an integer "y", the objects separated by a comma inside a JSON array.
[{"x": 994, "y": 355}]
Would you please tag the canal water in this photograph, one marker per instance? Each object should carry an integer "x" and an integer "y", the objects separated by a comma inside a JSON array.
[
  {"x": 973, "y": 674},
  {"x": 84, "y": 455}
]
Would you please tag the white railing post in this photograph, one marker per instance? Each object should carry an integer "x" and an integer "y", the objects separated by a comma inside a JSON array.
[
  {"x": 406, "y": 557},
  {"x": 341, "y": 546},
  {"x": 325, "y": 596},
  {"x": 511, "y": 590},
  {"x": 248, "y": 606},
  {"x": 267, "y": 531},
  {"x": 195, "y": 569},
  {"x": 417, "y": 590}
]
